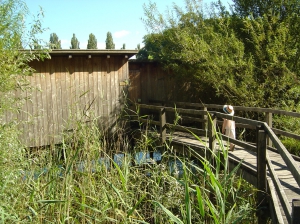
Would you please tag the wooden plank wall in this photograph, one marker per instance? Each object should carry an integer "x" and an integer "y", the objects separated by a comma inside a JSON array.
[
  {"x": 69, "y": 90},
  {"x": 149, "y": 81}
]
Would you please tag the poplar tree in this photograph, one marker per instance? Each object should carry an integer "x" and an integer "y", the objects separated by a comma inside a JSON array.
[
  {"x": 74, "y": 42},
  {"x": 54, "y": 43},
  {"x": 92, "y": 42},
  {"x": 109, "y": 41}
]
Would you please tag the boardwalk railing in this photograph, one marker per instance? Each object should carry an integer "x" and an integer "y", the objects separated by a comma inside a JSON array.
[{"x": 266, "y": 184}]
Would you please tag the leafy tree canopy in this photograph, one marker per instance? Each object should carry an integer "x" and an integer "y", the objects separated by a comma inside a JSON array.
[
  {"x": 54, "y": 42},
  {"x": 109, "y": 41},
  {"x": 13, "y": 37},
  {"x": 74, "y": 42},
  {"x": 92, "y": 42},
  {"x": 240, "y": 57}
]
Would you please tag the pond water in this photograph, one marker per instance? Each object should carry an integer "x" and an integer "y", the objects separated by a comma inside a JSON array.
[{"x": 140, "y": 158}]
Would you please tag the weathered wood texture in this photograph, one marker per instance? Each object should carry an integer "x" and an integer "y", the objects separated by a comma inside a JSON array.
[
  {"x": 66, "y": 90},
  {"x": 258, "y": 164},
  {"x": 150, "y": 81}
]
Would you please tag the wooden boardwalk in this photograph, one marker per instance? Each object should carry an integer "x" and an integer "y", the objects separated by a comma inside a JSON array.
[{"x": 249, "y": 160}]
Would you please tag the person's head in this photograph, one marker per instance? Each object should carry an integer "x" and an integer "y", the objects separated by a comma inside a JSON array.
[{"x": 228, "y": 109}]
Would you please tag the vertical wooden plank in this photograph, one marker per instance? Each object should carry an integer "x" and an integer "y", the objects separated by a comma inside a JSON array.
[
  {"x": 91, "y": 101},
  {"x": 163, "y": 130},
  {"x": 85, "y": 85},
  {"x": 57, "y": 109},
  {"x": 261, "y": 174},
  {"x": 121, "y": 79},
  {"x": 204, "y": 117},
  {"x": 60, "y": 82},
  {"x": 212, "y": 131},
  {"x": 43, "y": 109},
  {"x": 108, "y": 90},
  {"x": 76, "y": 87},
  {"x": 38, "y": 105},
  {"x": 112, "y": 98},
  {"x": 95, "y": 86},
  {"x": 100, "y": 86},
  {"x": 63, "y": 95},
  {"x": 269, "y": 121},
  {"x": 34, "y": 115},
  {"x": 48, "y": 103},
  {"x": 53, "y": 104},
  {"x": 70, "y": 88},
  {"x": 81, "y": 88}
]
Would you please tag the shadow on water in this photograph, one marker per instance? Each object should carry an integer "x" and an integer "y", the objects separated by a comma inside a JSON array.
[{"x": 175, "y": 165}]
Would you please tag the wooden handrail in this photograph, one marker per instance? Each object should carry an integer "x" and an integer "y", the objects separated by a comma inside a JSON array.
[
  {"x": 236, "y": 108},
  {"x": 264, "y": 131}
]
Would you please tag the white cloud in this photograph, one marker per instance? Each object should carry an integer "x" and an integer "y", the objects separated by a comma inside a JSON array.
[{"x": 121, "y": 33}]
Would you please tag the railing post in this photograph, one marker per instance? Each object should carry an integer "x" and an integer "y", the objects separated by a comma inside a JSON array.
[
  {"x": 295, "y": 211},
  {"x": 212, "y": 131},
  {"x": 261, "y": 175},
  {"x": 269, "y": 121},
  {"x": 204, "y": 117},
  {"x": 162, "y": 120}
]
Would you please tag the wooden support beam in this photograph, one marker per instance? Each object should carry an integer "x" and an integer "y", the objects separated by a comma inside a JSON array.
[
  {"x": 162, "y": 120},
  {"x": 269, "y": 121},
  {"x": 262, "y": 204},
  {"x": 204, "y": 117},
  {"x": 212, "y": 121}
]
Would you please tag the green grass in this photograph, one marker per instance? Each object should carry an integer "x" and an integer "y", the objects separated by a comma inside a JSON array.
[{"x": 147, "y": 193}]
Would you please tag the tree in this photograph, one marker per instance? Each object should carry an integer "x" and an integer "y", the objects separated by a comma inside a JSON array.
[
  {"x": 55, "y": 43},
  {"x": 74, "y": 42},
  {"x": 14, "y": 69},
  {"x": 109, "y": 41},
  {"x": 247, "y": 60},
  {"x": 92, "y": 42},
  {"x": 124, "y": 47}
]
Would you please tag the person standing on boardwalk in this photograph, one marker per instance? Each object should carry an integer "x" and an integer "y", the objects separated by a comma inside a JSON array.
[{"x": 228, "y": 127}]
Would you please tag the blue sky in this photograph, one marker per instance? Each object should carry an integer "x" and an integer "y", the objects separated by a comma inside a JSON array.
[{"x": 120, "y": 17}]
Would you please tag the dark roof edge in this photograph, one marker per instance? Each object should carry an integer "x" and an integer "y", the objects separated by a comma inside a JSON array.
[{"x": 91, "y": 52}]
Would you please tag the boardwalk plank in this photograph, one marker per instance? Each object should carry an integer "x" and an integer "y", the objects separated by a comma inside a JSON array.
[{"x": 288, "y": 182}]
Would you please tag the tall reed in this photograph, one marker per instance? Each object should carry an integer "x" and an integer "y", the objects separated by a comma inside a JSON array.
[{"x": 94, "y": 178}]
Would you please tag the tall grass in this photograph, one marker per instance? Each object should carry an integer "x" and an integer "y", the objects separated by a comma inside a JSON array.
[{"x": 81, "y": 181}]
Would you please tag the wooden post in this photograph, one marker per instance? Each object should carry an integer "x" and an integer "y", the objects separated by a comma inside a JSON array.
[
  {"x": 295, "y": 211},
  {"x": 212, "y": 131},
  {"x": 162, "y": 120},
  {"x": 269, "y": 122},
  {"x": 261, "y": 175},
  {"x": 204, "y": 117}
]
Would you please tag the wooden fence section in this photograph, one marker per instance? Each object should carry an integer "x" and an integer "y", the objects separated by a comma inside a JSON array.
[
  {"x": 283, "y": 200},
  {"x": 74, "y": 85}
]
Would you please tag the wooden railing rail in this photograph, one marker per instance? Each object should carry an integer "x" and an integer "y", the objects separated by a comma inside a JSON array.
[
  {"x": 268, "y": 114},
  {"x": 264, "y": 131}
]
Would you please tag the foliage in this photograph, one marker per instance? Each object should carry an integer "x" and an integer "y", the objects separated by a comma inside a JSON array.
[
  {"x": 14, "y": 69},
  {"x": 242, "y": 59},
  {"x": 109, "y": 41},
  {"x": 74, "y": 42},
  {"x": 123, "y": 47},
  {"x": 128, "y": 190},
  {"x": 92, "y": 42},
  {"x": 54, "y": 42}
]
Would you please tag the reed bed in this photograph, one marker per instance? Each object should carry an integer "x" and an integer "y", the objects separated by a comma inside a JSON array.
[{"x": 96, "y": 178}]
